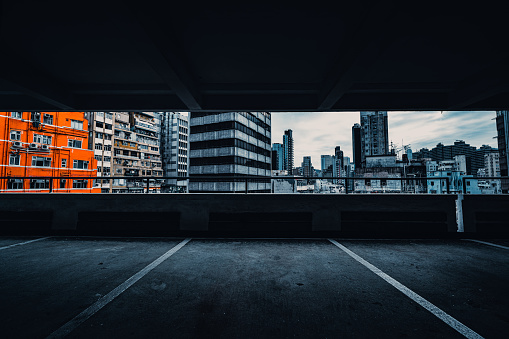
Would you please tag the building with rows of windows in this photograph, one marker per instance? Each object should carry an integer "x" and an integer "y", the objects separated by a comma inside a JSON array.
[
  {"x": 46, "y": 144},
  {"x": 174, "y": 151},
  {"x": 225, "y": 147},
  {"x": 126, "y": 144}
]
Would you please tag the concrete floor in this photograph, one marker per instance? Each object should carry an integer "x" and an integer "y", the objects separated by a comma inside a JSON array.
[{"x": 239, "y": 288}]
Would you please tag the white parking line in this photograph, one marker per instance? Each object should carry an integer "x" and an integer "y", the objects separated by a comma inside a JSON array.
[
  {"x": 446, "y": 318},
  {"x": 488, "y": 243},
  {"x": 103, "y": 301},
  {"x": 23, "y": 243}
]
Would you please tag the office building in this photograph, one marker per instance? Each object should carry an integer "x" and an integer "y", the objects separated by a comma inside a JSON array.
[
  {"x": 356, "y": 145},
  {"x": 326, "y": 163},
  {"x": 307, "y": 167},
  {"x": 231, "y": 145},
  {"x": 288, "y": 150},
  {"x": 374, "y": 134},
  {"x": 174, "y": 138},
  {"x": 46, "y": 144},
  {"x": 277, "y": 155},
  {"x": 503, "y": 145}
]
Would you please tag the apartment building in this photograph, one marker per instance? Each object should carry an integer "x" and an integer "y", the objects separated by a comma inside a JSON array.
[
  {"x": 46, "y": 144},
  {"x": 127, "y": 144}
]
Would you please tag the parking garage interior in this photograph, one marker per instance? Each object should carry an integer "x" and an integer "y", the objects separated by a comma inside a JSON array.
[{"x": 253, "y": 265}]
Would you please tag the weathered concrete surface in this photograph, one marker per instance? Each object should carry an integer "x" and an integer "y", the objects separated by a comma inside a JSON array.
[
  {"x": 63, "y": 212},
  {"x": 46, "y": 283},
  {"x": 252, "y": 288},
  {"x": 468, "y": 280}
]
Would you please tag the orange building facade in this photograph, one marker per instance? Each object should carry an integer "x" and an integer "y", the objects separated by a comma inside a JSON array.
[{"x": 46, "y": 144}]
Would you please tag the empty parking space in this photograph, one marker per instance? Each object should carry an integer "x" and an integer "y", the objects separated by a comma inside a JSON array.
[
  {"x": 251, "y": 288},
  {"x": 262, "y": 288},
  {"x": 46, "y": 283},
  {"x": 465, "y": 279}
]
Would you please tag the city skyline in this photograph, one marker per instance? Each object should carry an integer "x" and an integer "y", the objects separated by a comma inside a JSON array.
[{"x": 317, "y": 133}]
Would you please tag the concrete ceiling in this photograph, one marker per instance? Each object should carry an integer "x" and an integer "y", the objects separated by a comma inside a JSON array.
[{"x": 357, "y": 55}]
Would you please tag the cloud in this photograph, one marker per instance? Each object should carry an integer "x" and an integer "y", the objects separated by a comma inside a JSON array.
[{"x": 317, "y": 133}]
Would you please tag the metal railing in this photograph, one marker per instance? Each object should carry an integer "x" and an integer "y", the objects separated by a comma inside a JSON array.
[{"x": 148, "y": 181}]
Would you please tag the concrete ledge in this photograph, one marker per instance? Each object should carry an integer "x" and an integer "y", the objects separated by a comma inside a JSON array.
[
  {"x": 242, "y": 214},
  {"x": 486, "y": 215}
]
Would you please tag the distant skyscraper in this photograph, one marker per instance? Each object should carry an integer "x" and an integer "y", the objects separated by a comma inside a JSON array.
[
  {"x": 230, "y": 144},
  {"x": 288, "y": 150},
  {"x": 356, "y": 145},
  {"x": 374, "y": 134},
  {"x": 339, "y": 154},
  {"x": 327, "y": 161},
  {"x": 277, "y": 157},
  {"x": 503, "y": 144},
  {"x": 307, "y": 167}
]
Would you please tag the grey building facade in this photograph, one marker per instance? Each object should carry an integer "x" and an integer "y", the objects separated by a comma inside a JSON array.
[
  {"x": 230, "y": 145},
  {"x": 174, "y": 151},
  {"x": 374, "y": 134},
  {"x": 503, "y": 142},
  {"x": 288, "y": 151}
]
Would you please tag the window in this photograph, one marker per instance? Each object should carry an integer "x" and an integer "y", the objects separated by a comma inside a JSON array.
[
  {"x": 79, "y": 183},
  {"x": 74, "y": 143},
  {"x": 14, "y": 159},
  {"x": 42, "y": 139},
  {"x": 63, "y": 183},
  {"x": 41, "y": 161},
  {"x": 80, "y": 164},
  {"x": 99, "y": 124},
  {"x": 76, "y": 124},
  {"x": 98, "y": 158},
  {"x": 35, "y": 116},
  {"x": 15, "y": 135},
  {"x": 15, "y": 184},
  {"x": 98, "y": 146},
  {"x": 39, "y": 183},
  {"x": 16, "y": 115},
  {"x": 64, "y": 163},
  {"x": 47, "y": 119}
]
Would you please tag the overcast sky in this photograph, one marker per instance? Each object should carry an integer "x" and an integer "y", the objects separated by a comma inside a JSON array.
[{"x": 315, "y": 134}]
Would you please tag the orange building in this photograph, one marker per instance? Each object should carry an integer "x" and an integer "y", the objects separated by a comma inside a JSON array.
[{"x": 46, "y": 144}]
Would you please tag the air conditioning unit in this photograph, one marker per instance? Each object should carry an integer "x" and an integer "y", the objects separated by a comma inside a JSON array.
[
  {"x": 17, "y": 144},
  {"x": 45, "y": 147},
  {"x": 33, "y": 145}
]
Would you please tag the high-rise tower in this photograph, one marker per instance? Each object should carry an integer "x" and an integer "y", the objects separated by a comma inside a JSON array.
[
  {"x": 288, "y": 150},
  {"x": 374, "y": 134},
  {"x": 356, "y": 145},
  {"x": 503, "y": 142}
]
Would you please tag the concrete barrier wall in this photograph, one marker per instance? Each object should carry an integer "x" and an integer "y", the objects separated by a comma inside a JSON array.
[
  {"x": 486, "y": 214},
  {"x": 236, "y": 214}
]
